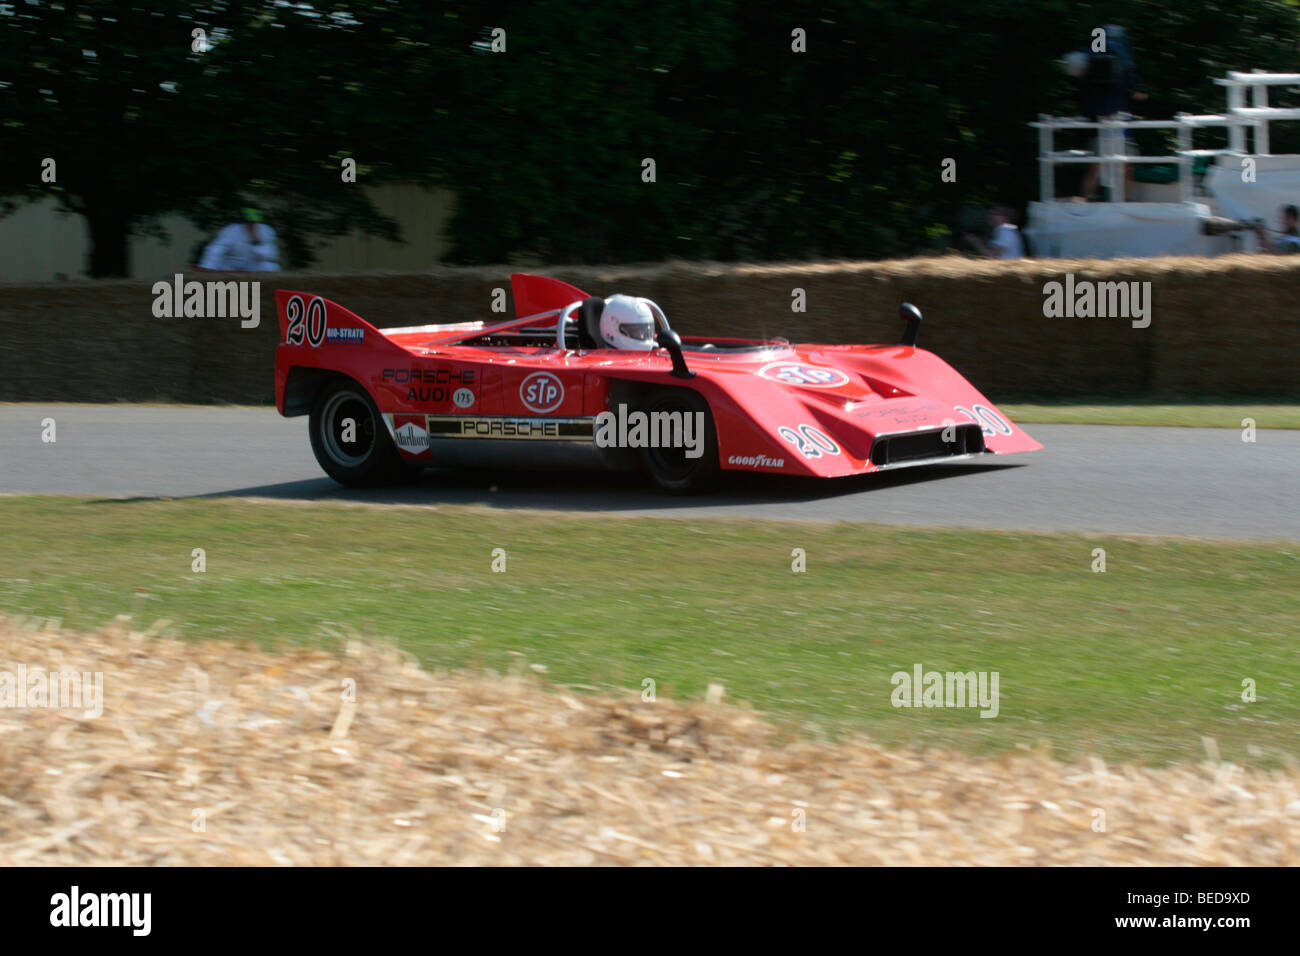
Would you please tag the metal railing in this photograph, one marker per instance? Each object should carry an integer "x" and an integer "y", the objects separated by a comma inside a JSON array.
[{"x": 1112, "y": 136}]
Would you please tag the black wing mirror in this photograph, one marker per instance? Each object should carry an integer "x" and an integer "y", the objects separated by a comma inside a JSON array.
[
  {"x": 912, "y": 316},
  {"x": 670, "y": 340}
]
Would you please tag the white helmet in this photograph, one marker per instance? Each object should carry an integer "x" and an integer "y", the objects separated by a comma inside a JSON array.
[{"x": 627, "y": 323}]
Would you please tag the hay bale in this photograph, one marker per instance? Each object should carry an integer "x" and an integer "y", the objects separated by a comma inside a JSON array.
[
  {"x": 282, "y": 765},
  {"x": 1224, "y": 326}
]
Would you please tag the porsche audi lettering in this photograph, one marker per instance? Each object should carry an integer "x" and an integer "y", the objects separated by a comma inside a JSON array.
[{"x": 531, "y": 391}]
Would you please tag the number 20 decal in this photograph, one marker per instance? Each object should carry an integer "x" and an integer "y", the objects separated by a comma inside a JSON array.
[
  {"x": 989, "y": 421},
  {"x": 309, "y": 323},
  {"x": 810, "y": 442}
]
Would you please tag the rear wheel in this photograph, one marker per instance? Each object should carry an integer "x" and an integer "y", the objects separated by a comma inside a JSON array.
[
  {"x": 349, "y": 439},
  {"x": 671, "y": 468}
]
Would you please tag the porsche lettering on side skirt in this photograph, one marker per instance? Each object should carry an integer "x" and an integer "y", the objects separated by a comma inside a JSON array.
[{"x": 536, "y": 429}]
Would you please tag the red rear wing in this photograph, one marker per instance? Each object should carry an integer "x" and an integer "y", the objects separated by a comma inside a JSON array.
[
  {"x": 534, "y": 294},
  {"x": 311, "y": 320}
]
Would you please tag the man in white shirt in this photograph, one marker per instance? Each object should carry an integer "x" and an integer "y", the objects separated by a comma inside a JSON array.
[
  {"x": 1005, "y": 241},
  {"x": 247, "y": 246}
]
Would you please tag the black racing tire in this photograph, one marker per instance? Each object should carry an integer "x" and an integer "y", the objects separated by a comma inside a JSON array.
[
  {"x": 670, "y": 468},
  {"x": 370, "y": 459}
]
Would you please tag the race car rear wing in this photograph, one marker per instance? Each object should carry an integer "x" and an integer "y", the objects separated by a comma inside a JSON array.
[{"x": 313, "y": 321}]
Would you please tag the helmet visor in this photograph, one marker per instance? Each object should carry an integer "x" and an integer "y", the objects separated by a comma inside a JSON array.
[{"x": 641, "y": 331}]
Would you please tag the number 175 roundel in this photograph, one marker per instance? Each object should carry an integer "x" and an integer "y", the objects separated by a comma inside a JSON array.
[{"x": 588, "y": 382}]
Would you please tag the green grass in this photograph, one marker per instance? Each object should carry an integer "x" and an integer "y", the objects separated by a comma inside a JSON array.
[
  {"x": 1137, "y": 663},
  {"x": 1265, "y": 415}
]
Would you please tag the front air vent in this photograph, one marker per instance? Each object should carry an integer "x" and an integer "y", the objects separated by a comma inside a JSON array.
[{"x": 914, "y": 447}]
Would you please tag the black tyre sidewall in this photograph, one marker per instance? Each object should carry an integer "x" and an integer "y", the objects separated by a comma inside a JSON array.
[
  {"x": 705, "y": 472},
  {"x": 381, "y": 466}
]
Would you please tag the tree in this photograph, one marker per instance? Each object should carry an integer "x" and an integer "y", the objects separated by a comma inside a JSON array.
[
  {"x": 195, "y": 108},
  {"x": 540, "y": 117},
  {"x": 767, "y": 152}
]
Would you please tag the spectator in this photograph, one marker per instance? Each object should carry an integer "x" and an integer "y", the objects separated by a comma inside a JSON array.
[
  {"x": 1108, "y": 85},
  {"x": 246, "y": 246},
  {"x": 1288, "y": 241},
  {"x": 1004, "y": 240}
]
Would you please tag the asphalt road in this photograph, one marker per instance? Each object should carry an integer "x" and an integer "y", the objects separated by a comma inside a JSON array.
[{"x": 1089, "y": 478}]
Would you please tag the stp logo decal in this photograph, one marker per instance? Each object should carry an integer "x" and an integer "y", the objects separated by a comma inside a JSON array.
[
  {"x": 808, "y": 376},
  {"x": 541, "y": 392}
]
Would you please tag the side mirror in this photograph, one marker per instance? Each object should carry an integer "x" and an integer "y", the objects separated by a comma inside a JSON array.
[
  {"x": 670, "y": 340},
  {"x": 912, "y": 316}
]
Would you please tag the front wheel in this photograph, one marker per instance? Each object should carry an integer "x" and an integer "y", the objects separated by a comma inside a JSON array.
[
  {"x": 349, "y": 439},
  {"x": 672, "y": 467}
]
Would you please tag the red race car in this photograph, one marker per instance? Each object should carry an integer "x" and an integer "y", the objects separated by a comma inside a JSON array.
[{"x": 583, "y": 381}]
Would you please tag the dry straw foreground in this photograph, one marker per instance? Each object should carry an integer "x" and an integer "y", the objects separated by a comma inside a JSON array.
[{"x": 208, "y": 753}]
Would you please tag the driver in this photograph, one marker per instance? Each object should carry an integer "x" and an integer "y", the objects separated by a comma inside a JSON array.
[{"x": 627, "y": 323}]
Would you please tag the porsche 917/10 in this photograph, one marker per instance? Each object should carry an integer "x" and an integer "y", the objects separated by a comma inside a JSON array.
[{"x": 584, "y": 381}]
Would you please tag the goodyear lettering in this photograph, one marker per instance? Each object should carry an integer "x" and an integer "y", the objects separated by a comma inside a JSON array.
[{"x": 756, "y": 461}]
